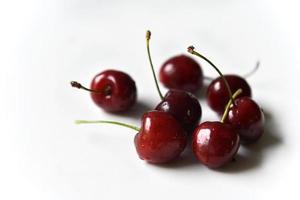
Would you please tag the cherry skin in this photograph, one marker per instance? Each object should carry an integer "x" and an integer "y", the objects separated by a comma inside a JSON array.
[
  {"x": 215, "y": 143},
  {"x": 118, "y": 91},
  {"x": 217, "y": 93},
  {"x": 247, "y": 118},
  {"x": 161, "y": 138},
  {"x": 181, "y": 72},
  {"x": 183, "y": 106}
]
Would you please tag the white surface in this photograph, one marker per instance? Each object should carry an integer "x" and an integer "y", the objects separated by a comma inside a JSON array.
[{"x": 47, "y": 43}]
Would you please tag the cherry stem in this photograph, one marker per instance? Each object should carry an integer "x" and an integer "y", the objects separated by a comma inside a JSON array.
[
  {"x": 191, "y": 50},
  {"x": 148, "y": 36},
  {"x": 247, "y": 75},
  {"x": 237, "y": 93},
  {"x": 79, "y": 86},
  {"x": 253, "y": 70},
  {"x": 107, "y": 122}
]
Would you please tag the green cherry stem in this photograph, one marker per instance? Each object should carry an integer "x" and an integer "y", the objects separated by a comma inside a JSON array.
[
  {"x": 237, "y": 93},
  {"x": 191, "y": 50},
  {"x": 75, "y": 84},
  {"x": 107, "y": 122},
  {"x": 148, "y": 36}
]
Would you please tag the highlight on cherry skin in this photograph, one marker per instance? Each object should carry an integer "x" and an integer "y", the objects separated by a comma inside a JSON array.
[
  {"x": 245, "y": 115},
  {"x": 112, "y": 90},
  {"x": 181, "y": 72},
  {"x": 161, "y": 139},
  {"x": 181, "y": 104}
]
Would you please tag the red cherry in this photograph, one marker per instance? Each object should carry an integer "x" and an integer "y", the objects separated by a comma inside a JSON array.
[
  {"x": 183, "y": 106},
  {"x": 112, "y": 90},
  {"x": 215, "y": 143},
  {"x": 161, "y": 138},
  {"x": 217, "y": 93},
  {"x": 247, "y": 118},
  {"x": 181, "y": 72}
]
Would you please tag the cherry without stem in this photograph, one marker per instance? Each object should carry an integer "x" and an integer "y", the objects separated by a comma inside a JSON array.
[
  {"x": 182, "y": 73},
  {"x": 112, "y": 90},
  {"x": 183, "y": 105}
]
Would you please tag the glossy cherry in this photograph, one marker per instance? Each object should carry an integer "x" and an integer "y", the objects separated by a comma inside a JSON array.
[
  {"x": 247, "y": 118},
  {"x": 181, "y": 104},
  {"x": 217, "y": 93},
  {"x": 160, "y": 139},
  {"x": 215, "y": 143},
  {"x": 181, "y": 72},
  {"x": 112, "y": 90}
]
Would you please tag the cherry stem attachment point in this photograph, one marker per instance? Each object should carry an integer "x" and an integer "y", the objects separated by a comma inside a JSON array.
[
  {"x": 237, "y": 93},
  {"x": 106, "y": 90},
  {"x": 191, "y": 50},
  {"x": 107, "y": 122},
  {"x": 148, "y": 36}
]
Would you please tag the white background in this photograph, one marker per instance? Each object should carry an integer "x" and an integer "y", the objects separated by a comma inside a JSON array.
[{"x": 46, "y": 43}]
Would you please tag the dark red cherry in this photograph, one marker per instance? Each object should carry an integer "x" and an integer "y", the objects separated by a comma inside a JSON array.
[
  {"x": 118, "y": 90},
  {"x": 215, "y": 143},
  {"x": 247, "y": 118},
  {"x": 161, "y": 138},
  {"x": 182, "y": 105},
  {"x": 217, "y": 93},
  {"x": 181, "y": 72}
]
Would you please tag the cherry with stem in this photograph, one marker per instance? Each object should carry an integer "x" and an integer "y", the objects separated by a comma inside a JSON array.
[
  {"x": 160, "y": 139},
  {"x": 111, "y": 90},
  {"x": 182, "y": 105}
]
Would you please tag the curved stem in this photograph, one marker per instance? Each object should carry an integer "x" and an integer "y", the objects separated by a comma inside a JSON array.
[
  {"x": 106, "y": 90},
  {"x": 237, "y": 93},
  {"x": 253, "y": 70},
  {"x": 107, "y": 122},
  {"x": 191, "y": 50},
  {"x": 148, "y": 36}
]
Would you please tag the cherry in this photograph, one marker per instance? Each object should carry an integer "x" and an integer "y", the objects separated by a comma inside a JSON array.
[
  {"x": 181, "y": 72},
  {"x": 160, "y": 139},
  {"x": 215, "y": 143},
  {"x": 112, "y": 90},
  {"x": 247, "y": 118},
  {"x": 217, "y": 93},
  {"x": 182, "y": 105}
]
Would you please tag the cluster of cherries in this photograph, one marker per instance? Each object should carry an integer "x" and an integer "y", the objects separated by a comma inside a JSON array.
[{"x": 166, "y": 131}]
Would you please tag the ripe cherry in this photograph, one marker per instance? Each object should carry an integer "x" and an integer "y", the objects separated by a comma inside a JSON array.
[
  {"x": 183, "y": 105},
  {"x": 247, "y": 118},
  {"x": 217, "y": 93},
  {"x": 215, "y": 143},
  {"x": 160, "y": 139},
  {"x": 183, "y": 73},
  {"x": 112, "y": 90}
]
